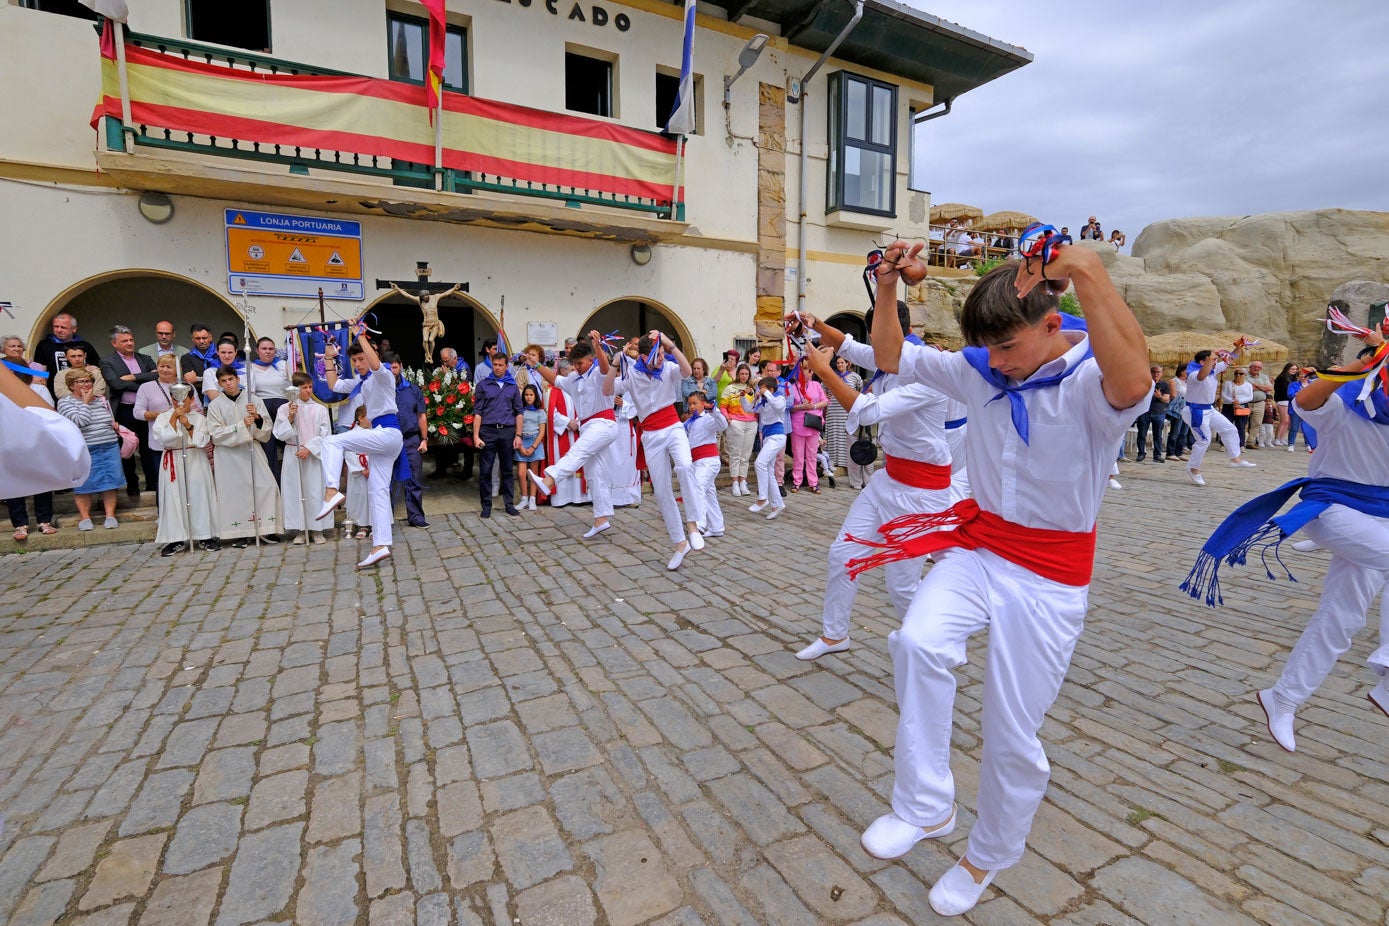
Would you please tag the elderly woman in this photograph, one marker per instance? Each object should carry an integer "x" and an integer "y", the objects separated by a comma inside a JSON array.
[{"x": 93, "y": 417}]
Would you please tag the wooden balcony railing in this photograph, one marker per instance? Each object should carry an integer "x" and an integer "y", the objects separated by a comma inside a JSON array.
[{"x": 190, "y": 97}]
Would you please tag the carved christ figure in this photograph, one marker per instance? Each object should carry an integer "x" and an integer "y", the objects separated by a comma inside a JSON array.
[{"x": 428, "y": 303}]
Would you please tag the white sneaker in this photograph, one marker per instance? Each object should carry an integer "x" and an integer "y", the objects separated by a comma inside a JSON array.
[
  {"x": 1280, "y": 722},
  {"x": 1292, "y": 449},
  {"x": 374, "y": 558},
  {"x": 890, "y": 837},
  {"x": 1196, "y": 478},
  {"x": 1306, "y": 546},
  {"x": 820, "y": 648},
  {"x": 771, "y": 516},
  {"x": 1114, "y": 483},
  {"x": 596, "y": 529},
  {"x": 110, "y": 523},
  {"x": 677, "y": 559},
  {"x": 957, "y": 892},
  {"x": 758, "y": 505},
  {"x": 330, "y": 505},
  {"x": 696, "y": 540},
  {"x": 1244, "y": 463},
  {"x": 85, "y": 525}
]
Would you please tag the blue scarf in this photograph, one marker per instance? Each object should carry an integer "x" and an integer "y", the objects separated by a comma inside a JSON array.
[
  {"x": 643, "y": 366},
  {"x": 1350, "y": 394},
  {"x": 978, "y": 357},
  {"x": 208, "y": 356},
  {"x": 1257, "y": 523},
  {"x": 691, "y": 420},
  {"x": 500, "y": 380},
  {"x": 27, "y": 371}
]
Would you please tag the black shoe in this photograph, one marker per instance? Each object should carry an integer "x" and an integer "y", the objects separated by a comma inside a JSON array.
[
  {"x": 1141, "y": 458},
  {"x": 132, "y": 491},
  {"x": 437, "y": 474},
  {"x": 1159, "y": 459},
  {"x": 463, "y": 477},
  {"x": 831, "y": 481},
  {"x": 171, "y": 548},
  {"x": 511, "y": 510},
  {"x": 239, "y": 543},
  {"x": 271, "y": 538},
  {"x": 419, "y": 523},
  {"x": 782, "y": 490},
  {"x": 487, "y": 512},
  {"x": 211, "y": 546}
]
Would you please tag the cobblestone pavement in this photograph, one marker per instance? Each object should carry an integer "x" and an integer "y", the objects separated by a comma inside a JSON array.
[{"x": 508, "y": 725}]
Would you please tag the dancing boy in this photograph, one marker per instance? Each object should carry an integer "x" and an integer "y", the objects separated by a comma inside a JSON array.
[
  {"x": 704, "y": 426},
  {"x": 1202, "y": 384},
  {"x": 1047, "y": 411},
  {"x": 916, "y": 478},
  {"x": 381, "y": 443},
  {"x": 652, "y": 384}
]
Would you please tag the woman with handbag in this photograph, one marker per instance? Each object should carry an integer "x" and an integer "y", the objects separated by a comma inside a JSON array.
[
  {"x": 807, "y": 422},
  {"x": 105, "y": 444},
  {"x": 1236, "y": 396}
]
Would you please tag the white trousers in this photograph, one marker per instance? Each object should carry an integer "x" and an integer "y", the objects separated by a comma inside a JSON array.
[
  {"x": 766, "y": 467},
  {"x": 705, "y": 472},
  {"x": 668, "y": 450},
  {"x": 589, "y": 453},
  {"x": 382, "y": 446},
  {"x": 1033, "y": 627},
  {"x": 1358, "y": 572},
  {"x": 882, "y": 500},
  {"x": 1212, "y": 422},
  {"x": 738, "y": 440}
]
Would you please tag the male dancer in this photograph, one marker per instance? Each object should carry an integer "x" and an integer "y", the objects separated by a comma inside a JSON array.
[
  {"x": 917, "y": 477},
  {"x": 381, "y": 443},
  {"x": 652, "y": 384},
  {"x": 590, "y": 391},
  {"x": 704, "y": 426},
  {"x": 1344, "y": 507},
  {"x": 1202, "y": 384},
  {"x": 1047, "y": 409}
]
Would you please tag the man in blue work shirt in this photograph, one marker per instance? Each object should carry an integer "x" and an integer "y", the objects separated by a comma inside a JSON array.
[{"x": 497, "y": 432}]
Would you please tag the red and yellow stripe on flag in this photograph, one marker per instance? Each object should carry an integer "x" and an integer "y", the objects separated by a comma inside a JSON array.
[
  {"x": 434, "y": 78},
  {"x": 370, "y": 116}
]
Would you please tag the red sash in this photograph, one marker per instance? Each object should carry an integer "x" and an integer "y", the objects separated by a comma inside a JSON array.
[
  {"x": 169, "y": 465},
  {"x": 918, "y": 475},
  {"x": 1062, "y": 556},
  {"x": 704, "y": 451},
  {"x": 661, "y": 418},
  {"x": 606, "y": 414}
]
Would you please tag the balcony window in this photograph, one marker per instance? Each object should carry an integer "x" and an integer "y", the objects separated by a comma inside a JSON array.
[
  {"x": 862, "y": 145},
  {"x": 408, "y": 51},
  {"x": 588, "y": 85},
  {"x": 239, "y": 23},
  {"x": 62, "y": 8},
  {"x": 667, "y": 85}
]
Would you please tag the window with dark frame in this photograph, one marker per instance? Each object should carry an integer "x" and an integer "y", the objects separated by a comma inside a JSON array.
[
  {"x": 62, "y": 8},
  {"x": 862, "y": 145},
  {"x": 588, "y": 84},
  {"x": 407, "y": 53},
  {"x": 667, "y": 86},
  {"x": 238, "y": 23}
]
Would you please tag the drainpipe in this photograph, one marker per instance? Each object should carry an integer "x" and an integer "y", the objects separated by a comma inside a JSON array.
[
  {"x": 805, "y": 149},
  {"x": 928, "y": 116}
]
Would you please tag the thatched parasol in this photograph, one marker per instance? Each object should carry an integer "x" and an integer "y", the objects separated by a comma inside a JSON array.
[
  {"x": 947, "y": 211},
  {"x": 1180, "y": 346},
  {"x": 1007, "y": 220}
]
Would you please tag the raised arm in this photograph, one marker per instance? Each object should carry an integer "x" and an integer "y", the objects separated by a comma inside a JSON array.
[
  {"x": 669, "y": 345},
  {"x": 900, "y": 261},
  {"x": 1316, "y": 393},
  {"x": 600, "y": 353},
  {"x": 829, "y": 334},
  {"x": 819, "y": 359}
]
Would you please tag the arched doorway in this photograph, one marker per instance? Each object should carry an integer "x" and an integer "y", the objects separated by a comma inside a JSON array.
[
  {"x": 850, "y": 323},
  {"x": 466, "y": 325},
  {"x": 140, "y": 299},
  {"x": 636, "y": 316}
]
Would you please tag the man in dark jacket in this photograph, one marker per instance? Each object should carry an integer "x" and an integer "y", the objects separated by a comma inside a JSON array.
[
  {"x": 125, "y": 371},
  {"x": 51, "y": 352}
]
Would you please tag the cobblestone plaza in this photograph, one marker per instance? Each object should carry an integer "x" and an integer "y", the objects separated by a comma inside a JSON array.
[{"x": 508, "y": 725}]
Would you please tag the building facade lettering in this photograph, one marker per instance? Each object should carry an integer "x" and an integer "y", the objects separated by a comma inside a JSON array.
[{"x": 597, "y": 15}]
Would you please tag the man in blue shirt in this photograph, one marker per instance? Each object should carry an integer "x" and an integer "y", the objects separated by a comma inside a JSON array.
[
  {"x": 497, "y": 432},
  {"x": 409, "y": 403}
]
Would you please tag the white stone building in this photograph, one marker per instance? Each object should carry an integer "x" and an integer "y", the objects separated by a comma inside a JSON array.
[{"x": 130, "y": 224}]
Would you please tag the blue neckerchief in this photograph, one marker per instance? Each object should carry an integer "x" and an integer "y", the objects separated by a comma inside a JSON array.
[
  {"x": 691, "y": 420},
  {"x": 1257, "y": 523},
  {"x": 878, "y": 374},
  {"x": 402, "y": 384},
  {"x": 978, "y": 357},
  {"x": 643, "y": 367},
  {"x": 27, "y": 371},
  {"x": 268, "y": 366},
  {"x": 500, "y": 380},
  {"x": 208, "y": 356},
  {"x": 1350, "y": 394},
  {"x": 954, "y": 423},
  {"x": 461, "y": 366}
]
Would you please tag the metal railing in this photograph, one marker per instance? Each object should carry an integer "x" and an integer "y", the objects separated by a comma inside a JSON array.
[{"x": 299, "y": 159}]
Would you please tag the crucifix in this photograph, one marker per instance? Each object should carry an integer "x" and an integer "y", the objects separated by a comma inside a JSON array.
[{"x": 426, "y": 295}]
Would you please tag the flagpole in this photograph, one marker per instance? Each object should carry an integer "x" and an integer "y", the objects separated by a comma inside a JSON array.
[
  {"x": 127, "y": 120},
  {"x": 439, "y": 141},
  {"x": 679, "y": 169}
]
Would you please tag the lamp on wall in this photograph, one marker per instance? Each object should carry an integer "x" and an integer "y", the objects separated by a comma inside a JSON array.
[
  {"x": 156, "y": 207},
  {"x": 746, "y": 59},
  {"x": 641, "y": 254}
]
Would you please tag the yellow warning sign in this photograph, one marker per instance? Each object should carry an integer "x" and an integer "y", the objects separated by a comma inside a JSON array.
[{"x": 261, "y": 251}]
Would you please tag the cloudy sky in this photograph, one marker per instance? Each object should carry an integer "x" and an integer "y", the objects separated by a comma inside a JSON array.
[{"x": 1137, "y": 112}]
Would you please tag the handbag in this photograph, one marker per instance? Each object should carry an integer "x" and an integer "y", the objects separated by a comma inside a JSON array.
[
  {"x": 814, "y": 420},
  {"x": 1242, "y": 411},
  {"x": 129, "y": 441},
  {"x": 863, "y": 451}
]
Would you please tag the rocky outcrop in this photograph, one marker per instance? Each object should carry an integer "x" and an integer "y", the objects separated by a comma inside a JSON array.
[{"x": 1356, "y": 299}]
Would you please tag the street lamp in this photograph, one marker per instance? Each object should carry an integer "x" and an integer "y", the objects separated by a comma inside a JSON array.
[{"x": 746, "y": 59}]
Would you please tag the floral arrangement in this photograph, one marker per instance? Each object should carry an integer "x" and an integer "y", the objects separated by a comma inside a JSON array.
[{"x": 448, "y": 399}]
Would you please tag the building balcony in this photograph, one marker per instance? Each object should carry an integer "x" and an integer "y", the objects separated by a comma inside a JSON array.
[{"x": 220, "y": 123}]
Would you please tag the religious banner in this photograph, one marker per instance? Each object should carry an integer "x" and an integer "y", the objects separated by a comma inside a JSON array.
[
  {"x": 372, "y": 116},
  {"x": 306, "y": 349}
]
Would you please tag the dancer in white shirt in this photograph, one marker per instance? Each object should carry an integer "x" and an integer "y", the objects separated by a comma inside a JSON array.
[
  {"x": 589, "y": 389},
  {"x": 652, "y": 384},
  {"x": 381, "y": 443},
  {"x": 1200, "y": 412},
  {"x": 704, "y": 426},
  {"x": 1045, "y": 418}
]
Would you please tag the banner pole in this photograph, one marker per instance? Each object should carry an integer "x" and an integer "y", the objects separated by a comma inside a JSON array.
[{"x": 127, "y": 121}]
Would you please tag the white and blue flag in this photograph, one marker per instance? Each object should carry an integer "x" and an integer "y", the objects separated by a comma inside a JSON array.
[{"x": 682, "y": 116}]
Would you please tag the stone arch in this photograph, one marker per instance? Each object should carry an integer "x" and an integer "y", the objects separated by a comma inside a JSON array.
[
  {"x": 139, "y": 298},
  {"x": 637, "y": 315},
  {"x": 467, "y": 322},
  {"x": 850, "y": 323}
]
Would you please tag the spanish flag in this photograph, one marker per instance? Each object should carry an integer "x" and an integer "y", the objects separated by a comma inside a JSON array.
[{"x": 434, "y": 79}]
